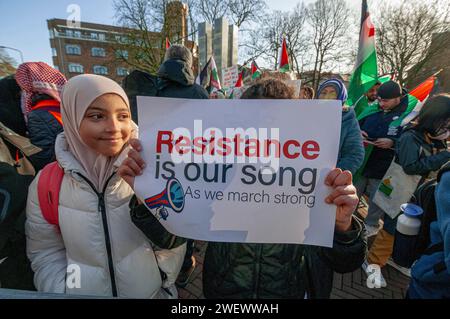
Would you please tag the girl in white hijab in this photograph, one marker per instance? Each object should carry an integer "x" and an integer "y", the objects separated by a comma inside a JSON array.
[{"x": 94, "y": 244}]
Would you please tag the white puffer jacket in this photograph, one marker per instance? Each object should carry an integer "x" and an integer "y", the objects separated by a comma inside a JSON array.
[{"x": 98, "y": 240}]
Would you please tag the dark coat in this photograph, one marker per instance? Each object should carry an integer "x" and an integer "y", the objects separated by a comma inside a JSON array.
[
  {"x": 351, "y": 150},
  {"x": 252, "y": 271},
  {"x": 176, "y": 80},
  {"x": 10, "y": 111},
  {"x": 411, "y": 153},
  {"x": 43, "y": 129},
  {"x": 377, "y": 125}
]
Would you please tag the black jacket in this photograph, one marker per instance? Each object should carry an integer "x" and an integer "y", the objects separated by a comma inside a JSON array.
[
  {"x": 418, "y": 156},
  {"x": 176, "y": 80},
  {"x": 254, "y": 271},
  {"x": 10, "y": 111},
  {"x": 43, "y": 129},
  {"x": 377, "y": 125}
]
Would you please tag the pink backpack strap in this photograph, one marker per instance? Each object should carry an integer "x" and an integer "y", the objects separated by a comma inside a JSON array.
[{"x": 49, "y": 185}]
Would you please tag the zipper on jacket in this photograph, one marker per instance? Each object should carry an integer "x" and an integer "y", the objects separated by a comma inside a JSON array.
[
  {"x": 102, "y": 210},
  {"x": 259, "y": 248}
]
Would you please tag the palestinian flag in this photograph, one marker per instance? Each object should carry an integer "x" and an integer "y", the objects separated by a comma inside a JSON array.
[
  {"x": 209, "y": 77},
  {"x": 240, "y": 81},
  {"x": 204, "y": 76},
  {"x": 256, "y": 72},
  {"x": 365, "y": 74},
  {"x": 284, "y": 58},
  {"x": 417, "y": 98},
  {"x": 239, "y": 84},
  {"x": 168, "y": 44},
  {"x": 214, "y": 80}
]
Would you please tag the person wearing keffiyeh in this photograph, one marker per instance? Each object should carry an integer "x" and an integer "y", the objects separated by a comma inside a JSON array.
[{"x": 41, "y": 86}]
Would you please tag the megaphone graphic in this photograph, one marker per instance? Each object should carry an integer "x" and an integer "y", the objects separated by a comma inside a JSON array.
[{"x": 172, "y": 197}]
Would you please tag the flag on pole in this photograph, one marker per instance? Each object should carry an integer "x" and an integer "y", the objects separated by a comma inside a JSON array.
[
  {"x": 256, "y": 72},
  {"x": 284, "y": 58},
  {"x": 204, "y": 76},
  {"x": 214, "y": 81},
  {"x": 209, "y": 76},
  {"x": 240, "y": 82},
  {"x": 168, "y": 44},
  {"x": 365, "y": 74},
  {"x": 417, "y": 98}
]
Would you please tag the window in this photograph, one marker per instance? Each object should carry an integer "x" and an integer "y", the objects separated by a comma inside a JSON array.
[
  {"x": 69, "y": 33},
  {"x": 77, "y": 34},
  {"x": 102, "y": 70},
  {"x": 76, "y": 68},
  {"x": 73, "y": 49},
  {"x": 98, "y": 52},
  {"x": 122, "y": 72},
  {"x": 102, "y": 37},
  {"x": 94, "y": 36},
  {"x": 52, "y": 33},
  {"x": 122, "y": 54},
  {"x": 54, "y": 53}
]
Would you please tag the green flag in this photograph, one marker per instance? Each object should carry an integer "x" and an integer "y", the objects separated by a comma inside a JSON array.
[{"x": 365, "y": 74}]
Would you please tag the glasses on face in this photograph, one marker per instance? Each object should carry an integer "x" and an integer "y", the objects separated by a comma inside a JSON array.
[{"x": 443, "y": 129}]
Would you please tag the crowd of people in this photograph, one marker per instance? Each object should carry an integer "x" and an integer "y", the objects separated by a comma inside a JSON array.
[{"x": 88, "y": 126}]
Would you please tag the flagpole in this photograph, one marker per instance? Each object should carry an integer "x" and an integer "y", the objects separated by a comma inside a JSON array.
[{"x": 435, "y": 74}]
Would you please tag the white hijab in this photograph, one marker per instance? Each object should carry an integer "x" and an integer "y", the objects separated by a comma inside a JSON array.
[{"x": 77, "y": 95}]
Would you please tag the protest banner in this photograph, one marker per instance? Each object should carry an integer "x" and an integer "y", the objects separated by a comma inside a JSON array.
[
  {"x": 230, "y": 76},
  {"x": 240, "y": 170}
]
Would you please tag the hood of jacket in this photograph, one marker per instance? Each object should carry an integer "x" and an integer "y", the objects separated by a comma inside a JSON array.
[{"x": 175, "y": 71}]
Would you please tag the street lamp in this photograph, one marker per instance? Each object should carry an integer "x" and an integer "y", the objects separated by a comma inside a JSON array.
[{"x": 14, "y": 49}]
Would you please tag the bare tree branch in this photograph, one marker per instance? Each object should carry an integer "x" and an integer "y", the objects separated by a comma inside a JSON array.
[{"x": 404, "y": 36}]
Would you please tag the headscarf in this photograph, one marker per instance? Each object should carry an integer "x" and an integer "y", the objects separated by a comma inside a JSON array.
[
  {"x": 38, "y": 77},
  {"x": 338, "y": 86},
  {"x": 77, "y": 95}
]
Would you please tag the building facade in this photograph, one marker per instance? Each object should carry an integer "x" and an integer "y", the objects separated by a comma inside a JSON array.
[
  {"x": 98, "y": 48},
  {"x": 220, "y": 41},
  {"x": 87, "y": 49}
]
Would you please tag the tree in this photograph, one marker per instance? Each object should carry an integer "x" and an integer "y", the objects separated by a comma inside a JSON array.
[
  {"x": 329, "y": 26},
  {"x": 265, "y": 41},
  {"x": 405, "y": 32},
  {"x": 142, "y": 47},
  {"x": 246, "y": 11},
  {"x": 210, "y": 10},
  {"x": 7, "y": 64},
  {"x": 145, "y": 28},
  {"x": 240, "y": 12}
]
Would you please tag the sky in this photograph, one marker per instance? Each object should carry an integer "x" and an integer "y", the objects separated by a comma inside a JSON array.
[{"x": 23, "y": 23}]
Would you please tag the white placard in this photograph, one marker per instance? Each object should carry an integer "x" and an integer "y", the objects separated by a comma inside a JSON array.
[{"x": 240, "y": 170}]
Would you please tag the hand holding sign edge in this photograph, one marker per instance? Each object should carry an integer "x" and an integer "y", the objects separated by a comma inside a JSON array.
[
  {"x": 133, "y": 165},
  {"x": 344, "y": 196}
]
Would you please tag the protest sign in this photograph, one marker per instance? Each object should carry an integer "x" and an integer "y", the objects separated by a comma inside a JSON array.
[
  {"x": 240, "y": 170},
  {"x": 230, "y": 76}
]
